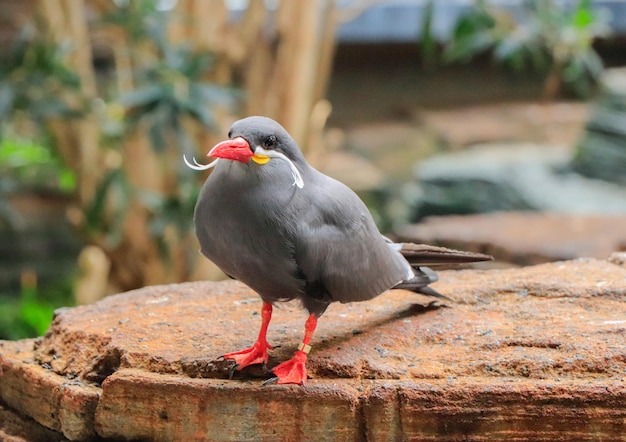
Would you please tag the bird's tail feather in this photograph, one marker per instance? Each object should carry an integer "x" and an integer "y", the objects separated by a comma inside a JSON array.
[{"x": 419, "y": 284}]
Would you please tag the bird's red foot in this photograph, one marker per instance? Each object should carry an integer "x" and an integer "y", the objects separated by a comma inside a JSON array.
[
  {"x": 292, "y": 371},
  {"x": 257, "y": 354}
]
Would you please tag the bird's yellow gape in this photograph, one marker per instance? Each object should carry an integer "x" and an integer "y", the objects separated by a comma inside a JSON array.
[{"x": 260, "y": 158}]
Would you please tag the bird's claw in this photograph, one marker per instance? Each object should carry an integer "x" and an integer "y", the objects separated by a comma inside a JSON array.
[
  {"x": 270, "y": 381},
  {"x": 232, "y": 369}
]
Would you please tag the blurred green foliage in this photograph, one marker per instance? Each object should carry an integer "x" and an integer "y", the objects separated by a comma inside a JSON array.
[
  {"x": 171, "y": 87},
  {"x": 30, "y": 314},
  {"x": 160, "y": 93},
  {"x": 172, "y": 97},
  {"x": 171, "y": 81},
  {"x": 168, "y": 94},
  {"x": 34, "y": 80},
  {"x": 25, "y": 163},
  {"x": 551, "y": 37}
]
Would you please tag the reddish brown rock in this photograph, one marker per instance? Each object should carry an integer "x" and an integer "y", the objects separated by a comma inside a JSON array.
[
  {"x": 17, "y": 428},
  {"x": 60, "y": 403},
  {"x": 524, "y": 238},
  {"x": 484, "y": 410},
  {"x": 535, "y": 353},
  {"x": 210, "y": 409}
]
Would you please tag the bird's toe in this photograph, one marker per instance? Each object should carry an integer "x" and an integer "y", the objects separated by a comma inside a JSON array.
[
  {"x": 292, "y": 371},
  {"x": 257, "y": 354}
]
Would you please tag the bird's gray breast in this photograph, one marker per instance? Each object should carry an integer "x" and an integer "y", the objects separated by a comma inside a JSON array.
[{"x": 243, "y": 218}]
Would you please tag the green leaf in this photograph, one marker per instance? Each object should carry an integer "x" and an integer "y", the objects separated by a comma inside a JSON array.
[
  {"x": 507, "y": 48},
  {"x": 67, "y": 180},
  {"x": 477, "y": 20},
  {"x": 583, "y": 18},
  {"x": 464, "y": 49},
  {"x": 142, "y": 97},
  {"x": 37, "y": 315},
  {"x": 211, "y": 94},
  {"x": 200, "y": 111},
  {"x": 428, "y": 45}
]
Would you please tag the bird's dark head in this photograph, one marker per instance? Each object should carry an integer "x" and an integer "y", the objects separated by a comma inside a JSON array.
[
  {"x": 250, "y": 137},
  {"x": 260, "y": 139}
]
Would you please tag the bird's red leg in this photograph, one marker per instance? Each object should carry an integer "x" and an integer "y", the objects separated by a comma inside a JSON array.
[
  {"x": 293, "y": 371},
  {"x": 257, "y": 354}
]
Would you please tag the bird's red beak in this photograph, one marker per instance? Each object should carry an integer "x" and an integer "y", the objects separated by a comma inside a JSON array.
[{"x": 236, "y": 149}]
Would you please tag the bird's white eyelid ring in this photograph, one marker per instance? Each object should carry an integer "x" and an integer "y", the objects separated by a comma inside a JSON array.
[
  {"x": 295, "y": 173},
  {"x": 198, "y": 166}
]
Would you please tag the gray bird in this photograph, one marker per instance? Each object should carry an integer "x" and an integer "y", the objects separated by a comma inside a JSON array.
[{"x": 269, "y": 219}]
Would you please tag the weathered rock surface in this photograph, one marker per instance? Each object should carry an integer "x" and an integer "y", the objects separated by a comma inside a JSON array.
[
  {"x": 536, "y": 353},
  {"x": 17, "y": 428},
  {"x": 524, "y": 238}
]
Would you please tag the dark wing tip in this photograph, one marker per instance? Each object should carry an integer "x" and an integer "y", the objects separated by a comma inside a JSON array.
[{"x": 423, "y": 254}]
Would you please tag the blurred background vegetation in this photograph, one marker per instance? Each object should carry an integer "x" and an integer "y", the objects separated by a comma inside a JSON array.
[{"x": 99, "y": 100}]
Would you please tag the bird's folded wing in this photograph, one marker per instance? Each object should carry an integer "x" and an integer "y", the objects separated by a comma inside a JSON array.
[{"x": 339, "y": 247}]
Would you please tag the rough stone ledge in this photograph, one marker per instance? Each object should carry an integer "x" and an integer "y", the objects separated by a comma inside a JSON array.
[
  {"x": 18, "y": 428},
  {"x": 535, "y": 353},
  {"x": 56, "y": 402}
]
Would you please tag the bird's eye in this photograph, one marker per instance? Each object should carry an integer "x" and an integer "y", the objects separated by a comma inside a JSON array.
[
  {"x": 270, "y": 141},
  {"x": 230, "y": 134}
]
